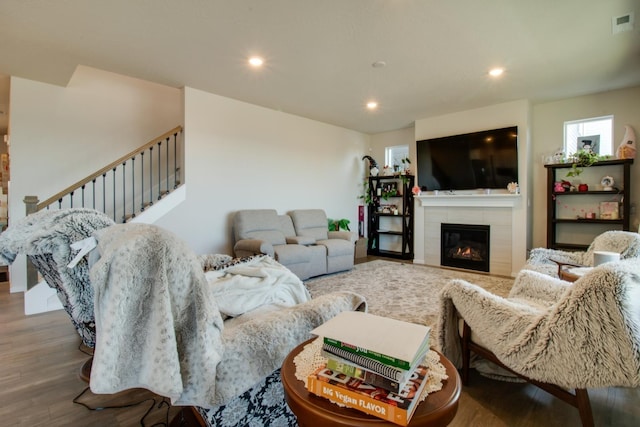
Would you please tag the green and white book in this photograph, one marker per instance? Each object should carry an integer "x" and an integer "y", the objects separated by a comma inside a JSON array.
[{"x": 392, "y": 342}]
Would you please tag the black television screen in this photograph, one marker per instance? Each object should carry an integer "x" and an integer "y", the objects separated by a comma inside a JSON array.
[{"x": 487, "y": 159}]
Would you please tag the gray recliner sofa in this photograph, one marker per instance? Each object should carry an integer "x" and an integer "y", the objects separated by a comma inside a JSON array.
[{"x": 300, "y": 241}]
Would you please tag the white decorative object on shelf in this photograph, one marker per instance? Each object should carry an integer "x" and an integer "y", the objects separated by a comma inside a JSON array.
[
  {"x": 607, "y": 183},
  {"x": 627, "y": 148},
  {"x": 513, "y": 188}
]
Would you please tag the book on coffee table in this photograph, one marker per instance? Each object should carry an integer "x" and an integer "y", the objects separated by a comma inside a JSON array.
[
  {"x": 397, "y": 408},
  {"x": 370, "y": 340},
  {"x": 354, "y": 370}
]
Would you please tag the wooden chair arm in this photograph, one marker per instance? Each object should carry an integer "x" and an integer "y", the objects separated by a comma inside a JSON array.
[{"x": 563, "y": 263}]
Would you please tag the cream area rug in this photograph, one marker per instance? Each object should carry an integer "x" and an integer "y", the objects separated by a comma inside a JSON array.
[{"x": 408, "y": 292}]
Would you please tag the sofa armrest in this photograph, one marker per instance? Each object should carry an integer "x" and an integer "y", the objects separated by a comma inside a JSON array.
[
  {"x": 255, "y": 348},
  {"x": 248, "y": 247},
  {"x": 344, "y": 235},
  {"x": 541, "y": 256},
  {"x": 301, "y": 240},
  {"x": 537, "y": 287}
]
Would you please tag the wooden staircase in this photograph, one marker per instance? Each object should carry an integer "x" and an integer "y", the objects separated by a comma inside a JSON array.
[{"x": 127, "y": 186}]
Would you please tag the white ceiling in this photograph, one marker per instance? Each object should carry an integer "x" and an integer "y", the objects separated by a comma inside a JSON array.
[{"x": 319, "y": 52}]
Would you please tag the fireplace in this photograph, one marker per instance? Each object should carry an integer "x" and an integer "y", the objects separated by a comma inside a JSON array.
[{"x": 465, "y": 246}]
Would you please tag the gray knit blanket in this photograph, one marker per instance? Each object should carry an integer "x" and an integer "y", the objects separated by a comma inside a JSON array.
[
  {"x": 580, "y": 335},
  {"x": 159, "y": 326}
]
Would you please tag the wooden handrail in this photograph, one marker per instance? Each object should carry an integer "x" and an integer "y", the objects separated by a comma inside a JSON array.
[{"x": 107, "y": 168}]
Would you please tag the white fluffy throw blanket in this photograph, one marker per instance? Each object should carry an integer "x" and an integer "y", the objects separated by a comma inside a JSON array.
[
  {"x": 258, "y": 282},
  {"x": 157, "y": 324},
  {"x": 580, "y": 335}
]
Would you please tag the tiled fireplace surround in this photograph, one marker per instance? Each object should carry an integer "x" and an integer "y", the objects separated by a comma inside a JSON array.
[{"x": 476, "y": 208}]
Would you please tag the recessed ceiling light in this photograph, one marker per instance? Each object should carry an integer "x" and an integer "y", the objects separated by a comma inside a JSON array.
[
  {"x": 496, "y": 72},
  {"x": 256, "y": 61},
  {"x": 372, "y": 105}
]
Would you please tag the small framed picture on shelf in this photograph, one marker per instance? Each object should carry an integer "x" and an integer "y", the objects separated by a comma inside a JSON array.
[
  {"x": 589, "y": 143},
  {"x": 609, "y": 210},
  {"x": 390, "y": 187}
]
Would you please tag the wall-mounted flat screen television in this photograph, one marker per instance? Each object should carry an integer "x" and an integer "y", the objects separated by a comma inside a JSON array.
[{"x": 486, "y": 159}]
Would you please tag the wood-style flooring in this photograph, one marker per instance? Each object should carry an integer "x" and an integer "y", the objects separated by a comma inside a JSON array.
[{"x": 40, "y": 361}]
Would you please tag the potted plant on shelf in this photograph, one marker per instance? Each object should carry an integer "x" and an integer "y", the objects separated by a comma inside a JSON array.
[
  {"x": 366, "y": 194},
  {"x": 582, "y": 159}
]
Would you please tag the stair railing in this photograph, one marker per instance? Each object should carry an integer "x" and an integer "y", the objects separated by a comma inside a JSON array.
[{"x": 125, "y": 187}]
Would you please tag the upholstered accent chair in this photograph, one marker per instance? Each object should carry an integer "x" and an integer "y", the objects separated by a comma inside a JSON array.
[
  {"x": 549, "y": 261},
  {"x": 560, "y": 336}
]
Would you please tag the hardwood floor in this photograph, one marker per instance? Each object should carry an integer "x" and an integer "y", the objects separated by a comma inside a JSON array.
[{"x": 40, "y": 361}]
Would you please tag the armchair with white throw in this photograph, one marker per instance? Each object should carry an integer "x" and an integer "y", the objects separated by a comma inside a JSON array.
[
  {"x": 547, "y": 261},
  {"x": 209, "y": 332},
  {"x": 555, "y": 334}
]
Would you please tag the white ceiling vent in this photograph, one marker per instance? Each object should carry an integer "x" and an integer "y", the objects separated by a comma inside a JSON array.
[{"x": 622, "y": 23}]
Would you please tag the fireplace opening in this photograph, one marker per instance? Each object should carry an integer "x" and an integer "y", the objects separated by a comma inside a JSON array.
[{"x": 465, "y": 246}]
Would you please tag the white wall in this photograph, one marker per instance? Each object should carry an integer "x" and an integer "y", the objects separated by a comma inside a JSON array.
[
  {"x": 241, "y": 156},
  {"x": 548, "y": 134},
  {"x": 382, "y": 140},
  {"x": 491, "y": 117},
  {"x": 60, "y": 135}
]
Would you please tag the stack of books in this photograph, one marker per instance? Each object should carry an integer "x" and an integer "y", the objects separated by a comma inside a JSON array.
[{"x": 374, "y": 364}]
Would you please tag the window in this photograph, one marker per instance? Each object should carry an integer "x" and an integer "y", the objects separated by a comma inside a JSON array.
[
  {"x": 393, "y": 156},
  {"x": 594, "y": 134}
]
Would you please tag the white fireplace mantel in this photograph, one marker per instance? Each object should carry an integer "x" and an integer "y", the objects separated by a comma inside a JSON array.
[
  {"x": 502, "y": 211},
  {"x": 496, "y": 200}
]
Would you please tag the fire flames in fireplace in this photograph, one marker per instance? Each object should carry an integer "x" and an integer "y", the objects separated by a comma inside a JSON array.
[
  {"x": 465, "y": 246},
  {"x": 466, "y": 252}
]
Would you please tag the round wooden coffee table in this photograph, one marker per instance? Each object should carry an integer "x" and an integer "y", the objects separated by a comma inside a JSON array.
[{"x": 438, "y": 409}]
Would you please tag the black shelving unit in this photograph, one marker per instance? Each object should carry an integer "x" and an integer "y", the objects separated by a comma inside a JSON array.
[
  {"x": 622, "y": 195},
  {"x": 381, "y": 223}
]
